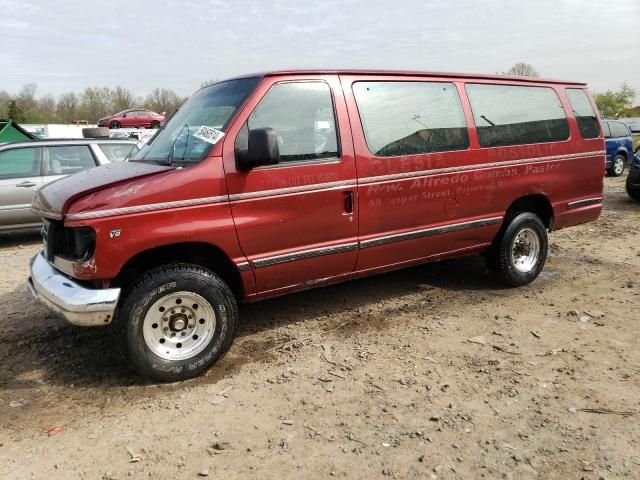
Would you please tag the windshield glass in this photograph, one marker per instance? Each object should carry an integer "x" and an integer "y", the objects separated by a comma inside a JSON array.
[{"x": 210, "y": 108}]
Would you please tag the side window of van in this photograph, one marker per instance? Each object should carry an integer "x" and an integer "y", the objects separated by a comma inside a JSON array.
[
  {"x": 408, "y": 118},
  {"x": 582, "y": 109},
  {"x": 516, "y": 115},
  {"x": 303, "y": 117}
]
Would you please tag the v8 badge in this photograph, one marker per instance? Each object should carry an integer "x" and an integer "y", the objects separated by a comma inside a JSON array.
[{"x": 115, "y": 233}]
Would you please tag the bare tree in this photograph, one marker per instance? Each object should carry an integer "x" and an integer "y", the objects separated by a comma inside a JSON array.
[
  {"x": 95, "y": 103},
  {"x": 67, "y": 108},
  {"x": 27, "y": 96},
  {"x": 522, "y": 70},
  {"x": 5, "y": 99},
  {"x": 123, "y": 99},
  {"x": 163, "y": 100}
]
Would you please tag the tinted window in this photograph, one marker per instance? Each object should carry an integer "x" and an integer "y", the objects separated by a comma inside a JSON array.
[
  {"x": 618, "y": 129},
  {"x": 302, "y": 115},
  {"x": 605, "y": 129},
  {"x": 583, "y": 111},
  {"x": 117, "y": 152},
  {"x": 20, "y": 162},
  {"x": 68, "y": 159},
  {"x": 406, "y": 118},
  {"x": 514, "y": 115}
]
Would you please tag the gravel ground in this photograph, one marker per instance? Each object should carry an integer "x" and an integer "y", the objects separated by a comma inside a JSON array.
[{"x": 430, "y": 372}]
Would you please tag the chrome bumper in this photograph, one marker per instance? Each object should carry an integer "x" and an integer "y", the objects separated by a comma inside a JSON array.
[{"x": 81, "y": 306}]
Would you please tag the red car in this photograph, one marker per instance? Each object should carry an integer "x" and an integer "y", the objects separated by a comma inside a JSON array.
[
  {"x": 272, "y": 183},
  {"x": 133, "y": 118}
]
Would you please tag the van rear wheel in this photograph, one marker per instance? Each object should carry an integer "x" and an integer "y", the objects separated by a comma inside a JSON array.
[
  {"x": 177, "y": 322},
  {"x": 519, "y": 252}
]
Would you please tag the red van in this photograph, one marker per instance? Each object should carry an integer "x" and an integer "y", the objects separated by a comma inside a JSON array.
[{"x": 271, "y": 183}]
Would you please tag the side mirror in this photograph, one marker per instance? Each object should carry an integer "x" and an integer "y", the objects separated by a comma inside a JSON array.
[
  {"x": 261, "y": 148},
  {"x": 124, "y": 115}
]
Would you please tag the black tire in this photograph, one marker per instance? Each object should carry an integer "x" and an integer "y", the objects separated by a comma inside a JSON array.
[
  {"x": 156, "y": 286},
  {"x": 633, "y": 190},
  {"x": 155, "y": 124},
  {"x": 617, "y": 166},
  {"x": 114, "y": 125},
  {"x": 500, "y": 257},
  {"x": 95, "y": 132}
]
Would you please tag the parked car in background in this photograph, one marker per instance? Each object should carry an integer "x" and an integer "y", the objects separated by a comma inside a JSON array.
[
  {"x": 26, "y": 166},
  {"x": 619, "y": 145},
  {"x": 133, "y": 118},
  {"x": 633, "y": 179}
]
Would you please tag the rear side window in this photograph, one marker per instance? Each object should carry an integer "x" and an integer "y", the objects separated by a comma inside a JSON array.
[
  {"x": 117, "y": 152},
  {"x": 20, "y": 162},
  {"x": 408, "y": 118},
  {"x": 582, "y": 109},
  {"x": 517, "y": 115},
  {"x": 302, "y": 115},
  {"x": 619, "y": 129},
  {"x": 68, "y": 159}
]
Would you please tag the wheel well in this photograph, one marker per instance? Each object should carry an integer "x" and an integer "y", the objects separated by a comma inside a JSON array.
[
  {"x": 538, "y": 204},
  {"x": 202, "y": 254},
  {"x": 623, "y": 153}
]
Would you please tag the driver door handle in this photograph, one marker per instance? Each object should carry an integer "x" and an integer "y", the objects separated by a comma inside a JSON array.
[
  {"x": 348, "y": 202},
  {"x": 26, "y": 184}
]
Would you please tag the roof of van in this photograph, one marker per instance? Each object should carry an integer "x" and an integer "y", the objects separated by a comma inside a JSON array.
[{"x": 408, "y": 73}]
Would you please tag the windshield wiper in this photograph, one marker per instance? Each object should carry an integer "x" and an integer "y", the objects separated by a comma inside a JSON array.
[
  {"x": 487, "y": 120},
  {"x": 173, "y": 145}
]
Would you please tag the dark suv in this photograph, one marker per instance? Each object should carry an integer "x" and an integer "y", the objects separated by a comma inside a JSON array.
[
  {"x": 619, "y": 145},
  {"x": 633, "y": 180}
]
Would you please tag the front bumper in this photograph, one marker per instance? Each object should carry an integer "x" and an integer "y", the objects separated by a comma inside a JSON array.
[{"x": 79, "y": 305}]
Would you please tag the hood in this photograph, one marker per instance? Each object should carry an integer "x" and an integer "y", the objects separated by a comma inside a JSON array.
[{"x": 53, "y": 199}]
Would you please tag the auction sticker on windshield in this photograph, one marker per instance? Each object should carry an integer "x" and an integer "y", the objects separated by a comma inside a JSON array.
[{"x": 208, "y": 134}]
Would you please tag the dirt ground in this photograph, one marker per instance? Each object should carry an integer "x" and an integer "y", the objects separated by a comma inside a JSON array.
[{"x": 430, "y": 372}]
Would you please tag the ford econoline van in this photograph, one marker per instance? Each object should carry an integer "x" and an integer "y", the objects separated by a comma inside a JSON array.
[{"x": 276, "y": 182}]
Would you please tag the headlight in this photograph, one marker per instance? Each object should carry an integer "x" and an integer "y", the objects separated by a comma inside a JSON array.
[{"x": 79, "y": 244}]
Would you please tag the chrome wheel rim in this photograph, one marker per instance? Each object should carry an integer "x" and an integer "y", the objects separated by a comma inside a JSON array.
[
  {"x": 525, "y": 250},
  {"x": 618, "y": 166},
  {"x": 179, "y": 325}
]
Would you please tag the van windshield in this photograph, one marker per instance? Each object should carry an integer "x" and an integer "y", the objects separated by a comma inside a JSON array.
[{"x": 198, "y": 124}]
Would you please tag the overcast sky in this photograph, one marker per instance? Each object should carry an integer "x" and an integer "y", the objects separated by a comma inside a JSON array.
[{"x": 143, "y": 44}]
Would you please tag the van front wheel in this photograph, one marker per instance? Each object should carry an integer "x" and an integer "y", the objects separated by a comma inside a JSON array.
[
  {"x": 518, "y": 254},
  {"x": 176, "y": 322}
]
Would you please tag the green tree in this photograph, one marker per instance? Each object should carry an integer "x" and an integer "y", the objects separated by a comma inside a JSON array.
[
  {"x": 612, "y": 103},
  {"x": 522, "y": 69},
  {"x": 15, "y": 112}
]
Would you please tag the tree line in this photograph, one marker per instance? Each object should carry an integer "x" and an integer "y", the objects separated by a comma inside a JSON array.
[
  {"x": 96, "y": 102},
  {"x": 90, "y": 104}
]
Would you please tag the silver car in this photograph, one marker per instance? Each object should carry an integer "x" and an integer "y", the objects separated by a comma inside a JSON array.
[{"x": 26, "y": 166}]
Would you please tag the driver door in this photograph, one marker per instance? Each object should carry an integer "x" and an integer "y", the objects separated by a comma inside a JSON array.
[{"x": 297, "y": 220}]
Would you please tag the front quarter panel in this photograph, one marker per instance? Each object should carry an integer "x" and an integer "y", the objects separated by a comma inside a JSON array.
[{"x": 183, "y": 205}]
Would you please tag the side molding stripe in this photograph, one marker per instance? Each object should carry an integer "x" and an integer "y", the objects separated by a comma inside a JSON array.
[
  {"x": 584, "y": 202},
  {"x": 427, "y": 232},
  {"x": 146, "y": 208},
  {"x": 302, "y": 254}
]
